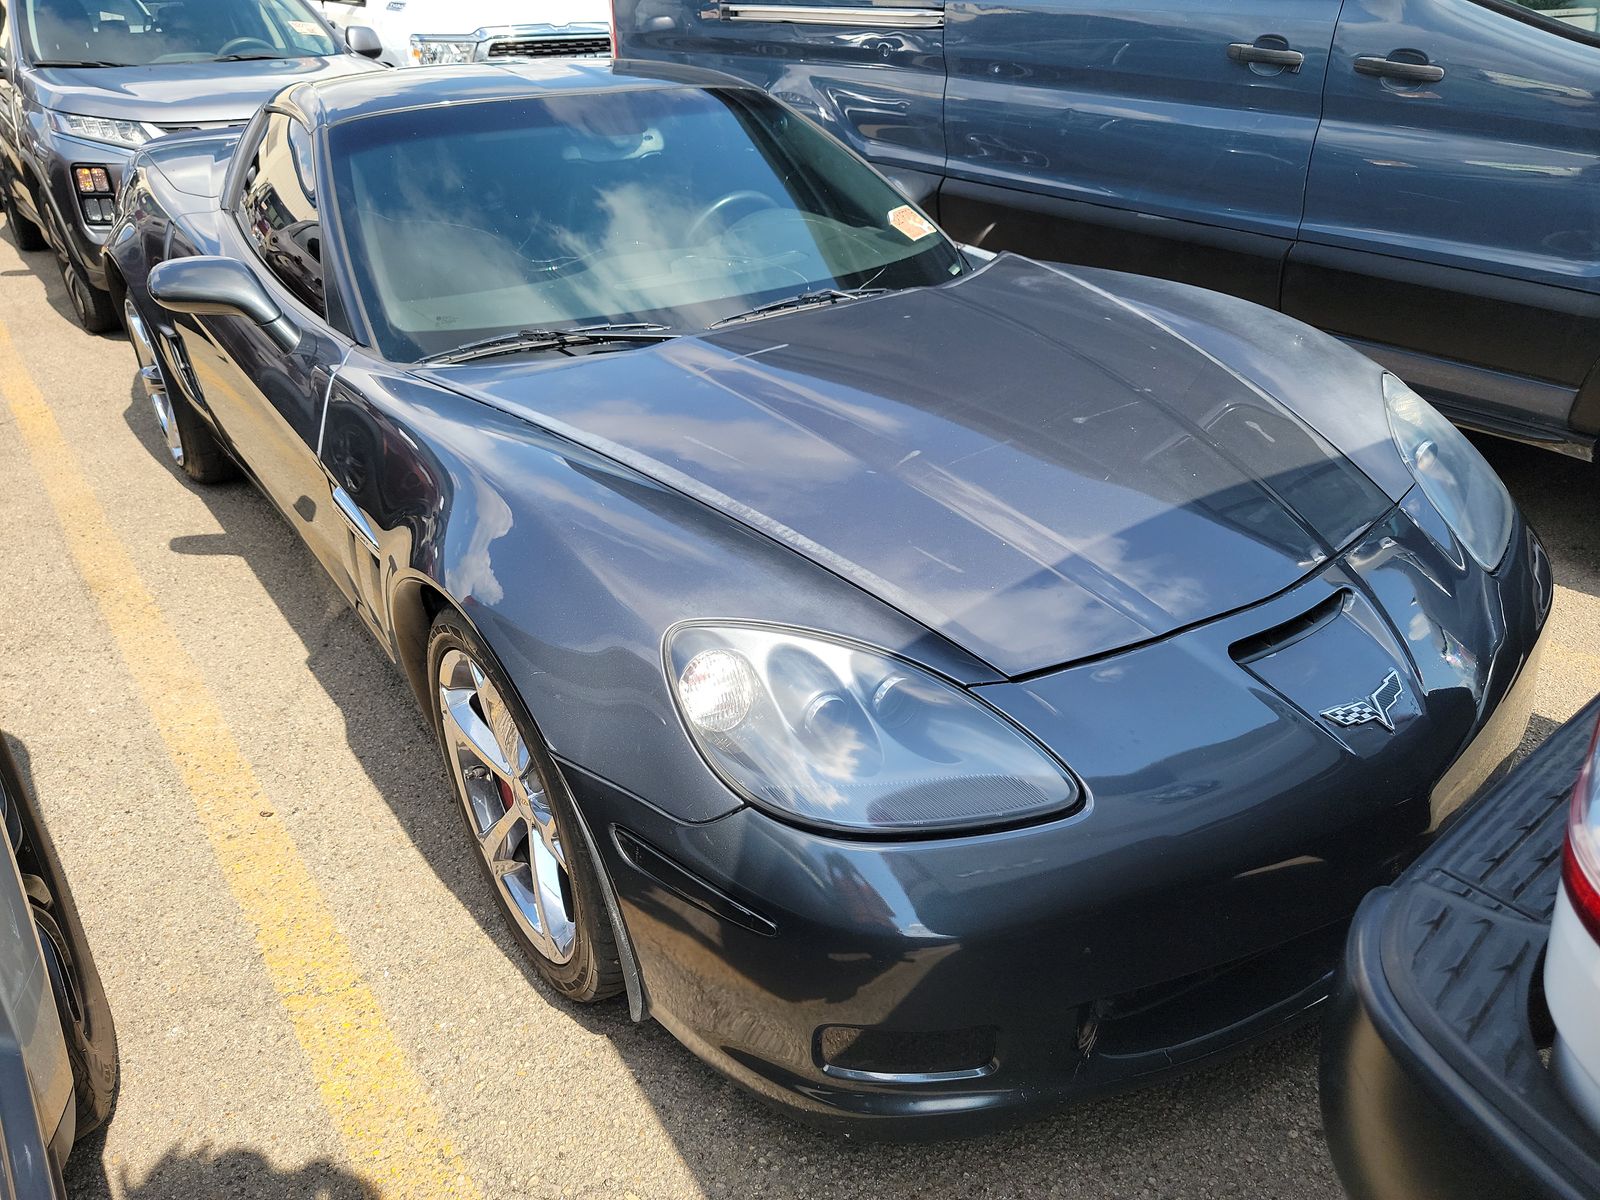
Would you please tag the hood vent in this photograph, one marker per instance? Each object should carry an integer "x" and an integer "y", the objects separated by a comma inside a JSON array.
[{"x": 1270, "y": 641}]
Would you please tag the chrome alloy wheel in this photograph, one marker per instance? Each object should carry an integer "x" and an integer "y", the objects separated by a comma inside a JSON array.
[
  {"x": 155, "y": 386},
  {"x": 507, "y": 805}
]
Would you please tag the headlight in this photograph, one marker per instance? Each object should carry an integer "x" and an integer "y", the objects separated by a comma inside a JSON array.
[
  {"x": 836, "y": 735},
  {"x": 432, "y": 52},
  {"x": 100, "y": 129},
  {"x": 1453, "y": 475}
]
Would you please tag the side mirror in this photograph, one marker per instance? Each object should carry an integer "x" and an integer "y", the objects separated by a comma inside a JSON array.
[
  {"x": 220, "y": 287},
  {"x": 363, "y": 40}
]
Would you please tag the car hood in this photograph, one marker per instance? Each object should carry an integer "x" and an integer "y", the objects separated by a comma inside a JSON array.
[
  {"x": 1022, "y": 461},
  {"x": 177, "y": 95}
]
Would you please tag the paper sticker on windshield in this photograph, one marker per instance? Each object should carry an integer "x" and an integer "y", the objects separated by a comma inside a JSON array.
[
  {"x": 308, "y": 28},
  {"x": 911, "y": 223}
]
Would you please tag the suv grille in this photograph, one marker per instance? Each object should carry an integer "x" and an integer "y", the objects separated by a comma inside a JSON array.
[
  {"x": 198, "y": 125},
  {"x": 554, "y": 47}
]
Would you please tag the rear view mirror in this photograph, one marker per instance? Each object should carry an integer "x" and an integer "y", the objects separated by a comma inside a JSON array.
[
  {"x": 220, "y": 287},
  {"x": 363, "y": 40}
]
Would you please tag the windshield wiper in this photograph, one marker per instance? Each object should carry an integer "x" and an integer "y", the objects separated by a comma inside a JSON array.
[
  {"x": 252, "y": 56},
  {"x": 526, "y": 340},
  {"x": 79, "y": 62},
  {"x": 803, "y": 300}
]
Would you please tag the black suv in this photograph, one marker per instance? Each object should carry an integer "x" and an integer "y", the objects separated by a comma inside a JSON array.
[{"x": 84, "y": 83}]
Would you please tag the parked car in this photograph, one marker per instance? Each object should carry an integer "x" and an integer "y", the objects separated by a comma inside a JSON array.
[
  {"x": 1420, "y": 178},
  {"x": 433, "y": 32},
  {"x": 1457, "y": 980},
  {"x": 83, "y": 85},
  {"x": 797, "y": 670},
  {"x": 58, "y": 1044}
]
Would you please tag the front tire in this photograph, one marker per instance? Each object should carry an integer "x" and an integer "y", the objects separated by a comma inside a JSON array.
[
  {"x": 519, "y": 816},
  {"x": 191, "y": 445}
]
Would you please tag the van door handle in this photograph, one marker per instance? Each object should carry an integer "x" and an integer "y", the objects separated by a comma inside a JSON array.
[
  {"x": 1392, "y": 68},
  {"x": 1271, "y": 56},
  {"x": 354, "y": 517}
]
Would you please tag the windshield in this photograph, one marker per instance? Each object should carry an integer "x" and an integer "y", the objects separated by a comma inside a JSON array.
[
  {"x": 145, "y": 32},
  {"x": 678, "y": 206}
]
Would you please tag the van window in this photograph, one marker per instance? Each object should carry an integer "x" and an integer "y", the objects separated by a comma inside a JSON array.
[{"x": 1583, "y": 15}]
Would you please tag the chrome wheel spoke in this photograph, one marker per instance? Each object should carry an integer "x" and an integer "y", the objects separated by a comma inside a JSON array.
[
  {"x": 543, "y": 821},
  {"x": 466, "y": 724},
  {"x": 554, "y": 921},
  {"x": 498, "y": 838}
]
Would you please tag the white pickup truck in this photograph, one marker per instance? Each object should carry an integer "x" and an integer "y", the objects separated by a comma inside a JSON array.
[{"x": 436, "y": 32}]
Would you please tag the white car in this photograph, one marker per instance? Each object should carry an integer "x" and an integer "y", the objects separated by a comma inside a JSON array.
[
  {"x": 1572, "y": 964},
  {"x": 437, "y": 32}
]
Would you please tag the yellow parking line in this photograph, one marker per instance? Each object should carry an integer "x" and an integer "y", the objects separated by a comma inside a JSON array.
[{"x": 391, "y": 1127}]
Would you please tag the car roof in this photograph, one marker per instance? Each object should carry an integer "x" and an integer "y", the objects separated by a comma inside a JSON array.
[{"x": 351, "y": 97}]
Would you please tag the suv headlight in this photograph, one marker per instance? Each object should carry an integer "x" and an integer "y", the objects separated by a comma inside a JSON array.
[
  {"x": 439, "y": 52},
  {"x": 1453, "y": 475},
  {"x": 100, "y": 129},
  {"x": 836, "y": 735}
]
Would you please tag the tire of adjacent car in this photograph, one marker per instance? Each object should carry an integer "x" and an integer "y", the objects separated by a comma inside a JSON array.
[
  {"x": 86, "y": 1022},
  {"x": 594, "y": 972},
  {"x": 93, "y": 307},
  {"x": 28, "y": 236}
]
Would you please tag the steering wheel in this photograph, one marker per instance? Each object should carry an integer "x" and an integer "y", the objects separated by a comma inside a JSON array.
[
  {"x": 234, "y": 45},
  {"x": 717, "y": 210}
]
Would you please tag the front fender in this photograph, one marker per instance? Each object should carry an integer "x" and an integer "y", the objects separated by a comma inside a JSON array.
[{"x": 572, "y": 568}]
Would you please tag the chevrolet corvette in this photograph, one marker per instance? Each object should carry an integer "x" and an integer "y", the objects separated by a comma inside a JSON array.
[{"x": 931, "y": 684}]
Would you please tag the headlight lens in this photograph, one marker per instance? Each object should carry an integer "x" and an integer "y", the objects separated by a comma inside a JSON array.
[
  {"x": 100, "y": 129},
  {"x": 429, "y": 52},
  {"x": 1454, "y": 476},
  {"x": 852, "y": 739}
]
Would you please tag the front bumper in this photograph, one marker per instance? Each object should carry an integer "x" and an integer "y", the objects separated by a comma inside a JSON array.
[
  {"x": 84, "y": 241},
  {"x": 1432, "y": 1078},
  {"x": 1195, "y": 904}
]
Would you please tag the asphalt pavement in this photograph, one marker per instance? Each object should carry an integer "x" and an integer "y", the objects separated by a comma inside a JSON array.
[{"x": 314, "y": 994}]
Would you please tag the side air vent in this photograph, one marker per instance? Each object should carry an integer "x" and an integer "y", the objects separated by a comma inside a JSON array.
[{"x": 1270, "y": 641}]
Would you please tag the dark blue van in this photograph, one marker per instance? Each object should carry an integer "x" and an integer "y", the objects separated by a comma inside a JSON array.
[{"x": 1421, "y": 177}]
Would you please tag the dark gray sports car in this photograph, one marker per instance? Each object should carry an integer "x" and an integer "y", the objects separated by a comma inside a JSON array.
[{"x": 930, "y": 684}]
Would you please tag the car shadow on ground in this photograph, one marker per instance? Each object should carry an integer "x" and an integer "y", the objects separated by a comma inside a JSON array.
[
  {"x": 237, "y": 1174},
  {"x": 42, "y": 263},
  {"x": 1202, "y": 1134}
]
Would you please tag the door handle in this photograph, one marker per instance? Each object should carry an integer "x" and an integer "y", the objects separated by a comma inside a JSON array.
[
  {"x": 1392, "y": 68},
  {"x": 352, "y": 514},
  {"x": 1271, "y": 56}
]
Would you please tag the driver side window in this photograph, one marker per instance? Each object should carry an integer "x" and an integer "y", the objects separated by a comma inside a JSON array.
[{"x": 280, "y": 210}]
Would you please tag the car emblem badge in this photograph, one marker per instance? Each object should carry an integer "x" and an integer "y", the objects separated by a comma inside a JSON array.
[{"x": 1375, "y": 707}]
